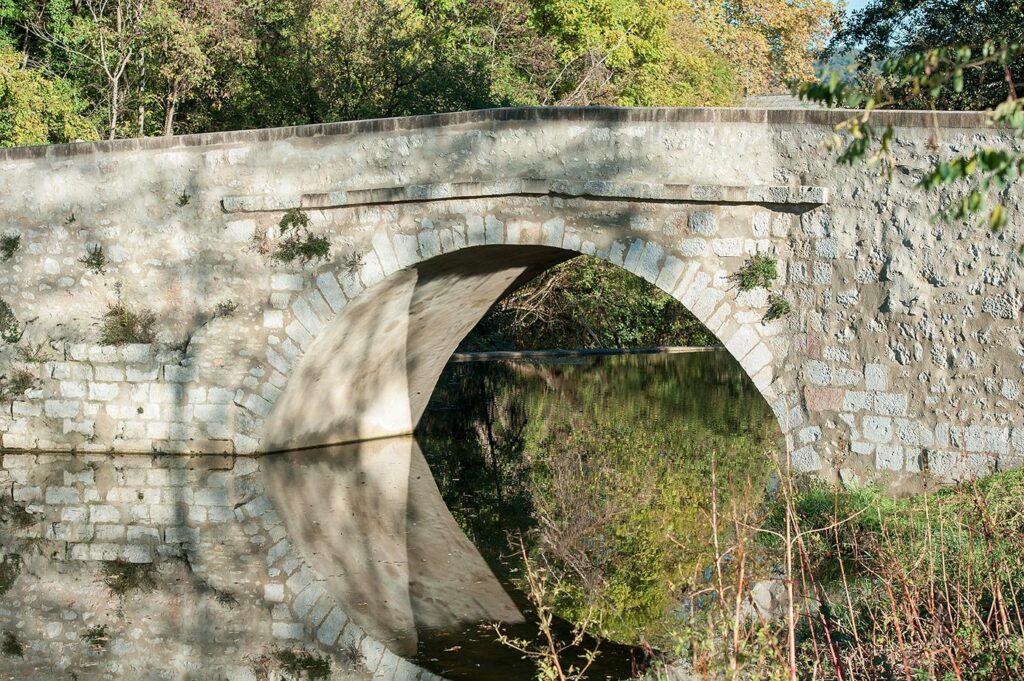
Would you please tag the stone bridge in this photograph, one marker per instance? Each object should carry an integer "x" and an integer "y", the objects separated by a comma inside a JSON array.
[
  {"x": 900, "y": 361},
  {"x": 902, "y": 353}
]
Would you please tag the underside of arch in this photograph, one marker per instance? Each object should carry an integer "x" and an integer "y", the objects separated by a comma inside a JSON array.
[{"x": 371, "y": 371}]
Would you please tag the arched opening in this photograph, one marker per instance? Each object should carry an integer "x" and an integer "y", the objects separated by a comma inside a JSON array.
[{"x": 397, "y": 554}]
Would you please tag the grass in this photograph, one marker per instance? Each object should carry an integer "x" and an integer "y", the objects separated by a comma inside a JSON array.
[
  {"x": 95, "y": 259},
  {"x": 10, "y": 329},
  {"x": 123, "y": 578},
  {"x": 122, "y": 325},
  {"x": 759, "y": 271},
  {"x": 10, "y": 646},
  {"x": 778, "y": 307},
  {"x": 9, "y": 244},
  {"x": 303, "y": 662},
  {"x": 96, "y": 636}
]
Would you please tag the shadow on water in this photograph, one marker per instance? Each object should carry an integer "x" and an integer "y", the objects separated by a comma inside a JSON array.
[{"x": 415, "y": 542}]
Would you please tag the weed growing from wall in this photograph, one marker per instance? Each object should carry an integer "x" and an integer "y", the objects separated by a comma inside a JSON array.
[
  {"x": 122, "y": 325},
  {"x": 184, "y": 199},
  {"x": 10, "y": 329},
  {"x": 758, "y": 272},
  {"x": 778, "y": 307},
  {"x": 302, "y": 661},
  {"x": 10, "y": 568},
  {"x": 9, "y": 244},
  {"x": 96, "y": 636},
  {"x": 95, "y": 259},
  {"x": 14, "y": 514},
  {"x": 297, "y": 242},
  {"x": 19, "y": 383},
  {"x": 10, "y": 646},
  {"x": 224, "y": 308},
  {"x": 122, "y": 578}
]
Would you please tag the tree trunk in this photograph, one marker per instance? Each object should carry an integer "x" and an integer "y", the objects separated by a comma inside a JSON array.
[{"x": 169, "y": 109}]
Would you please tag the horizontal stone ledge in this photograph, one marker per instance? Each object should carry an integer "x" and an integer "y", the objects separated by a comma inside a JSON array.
[{"x": 586, "y": 189}]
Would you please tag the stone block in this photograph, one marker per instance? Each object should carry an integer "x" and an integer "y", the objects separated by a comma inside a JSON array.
[
  {"x": 877, "y": 429},
  {"x": 818, "y": 373},
  {"x": 805, "y": 460},
  {"x": 824, "y": 399},
  {"x": 891, "y": 404},
  {"x": 889, "y": 457},
  {"x": 703, "y": 223}
]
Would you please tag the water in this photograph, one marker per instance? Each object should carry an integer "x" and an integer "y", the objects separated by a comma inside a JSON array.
[{"x": 604, "y": 465}]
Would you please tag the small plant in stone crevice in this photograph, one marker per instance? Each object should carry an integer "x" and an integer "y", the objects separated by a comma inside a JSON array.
[
  {"x": 95, "y": 259},
  {"x": 10, "y": 568},
  {"x": 759, "y": 271},
  {"x": 9, "y": 244},
  {"x": 71, "y": 219},
  {"x": 184, "y": 199},
  {"x": 10, "y": 329},
  {"x": 14, "y": 514},
  {"x": 123, "y": 578},
  {"x": 225, "y": 308},
  {"x": 18, "y": 383},
  {"x": 778, "y": 307},
  {"x": 10, "y": 646},
  {"x": 96, "y": 636},
  {"x": 122, "y": 324},
  {"x": 298, "y": 661},
  {"x": 297, "y": 243}
]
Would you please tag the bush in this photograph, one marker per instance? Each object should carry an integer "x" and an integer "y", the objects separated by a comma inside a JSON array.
[
  {"x": 19, "y": 383},
  {"x": 758, "y": 272},
  {"x": 301, "y": 661},
  {"x": 778, "y": 307},
  {"x": 96, "y": 636},
  {"x": 11, "y": 646},
  {"x": 297, "y": 242},
  {"x": 122, "y": 325}
]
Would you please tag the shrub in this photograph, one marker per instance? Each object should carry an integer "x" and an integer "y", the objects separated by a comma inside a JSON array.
[
  {"x": 95, "y": 259},
  {"x": 759, "y": 271},
  {"x": 225, "y": 308},
  {"x": 299, "y": 661},
  {"x": 184, "y": 199},
  {"x": 122, "y": 577},
  {"x": 19, "y": 383},
  {"x": 122, "y": 325},
  {"x": 11, "y": 646},
  {"x": 9, "y": 243},
  {"x": 10, "y": 329},
  {"x": 778, "y": 307}
]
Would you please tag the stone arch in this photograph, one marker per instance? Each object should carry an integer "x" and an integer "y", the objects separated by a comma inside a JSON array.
[{"x": 370, "y": 341}]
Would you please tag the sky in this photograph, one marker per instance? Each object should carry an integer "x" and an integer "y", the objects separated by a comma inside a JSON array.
[{"x": 852, "y": 5}]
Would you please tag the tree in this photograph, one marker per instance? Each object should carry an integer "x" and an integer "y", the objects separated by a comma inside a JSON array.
[
  {"x": 35, "y": 109},
  {"x": 901, "y": 28}
]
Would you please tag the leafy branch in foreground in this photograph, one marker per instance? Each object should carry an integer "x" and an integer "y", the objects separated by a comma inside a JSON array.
[{"x": 930, "y": 73}]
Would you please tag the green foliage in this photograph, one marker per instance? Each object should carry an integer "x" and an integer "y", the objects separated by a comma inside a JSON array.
[
  {"x": 616, "y": 509},
  {"x": 759, "y": 271},
  {"x": 778, "y": 307},
  {"x": 184, "y": 199},
  {"x": 38, "y": 109},
  {"x": 303, "y": 662},
  {"x": 587, "y": 303},
  {"x": 296, "y": 242},
  {"x": 96, "y": 636},
  {"x": 122, "y": 325},
  {"x": 123, "y": 578},
  {"x": 10, "y": 568},
  {"x": 9, "y": 244},
  {"x": 10, "y": 329},
  {"x": 977, "y": 177},
  {"x": 95, "y": 259},
  {"x": 10, "y": 646}
]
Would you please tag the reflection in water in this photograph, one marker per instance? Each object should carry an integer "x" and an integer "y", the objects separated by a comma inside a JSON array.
[
  {"x": 369, "y": 519},
  {"x": 393, "y": 547}
]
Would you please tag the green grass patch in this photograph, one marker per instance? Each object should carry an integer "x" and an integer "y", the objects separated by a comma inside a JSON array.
[
  {"x": 123, "y": 578},
  {"x": 759, "y": 271},
  {"x": 122, "y": 325},
  {"x": 303, "y": 662}
]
